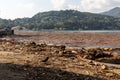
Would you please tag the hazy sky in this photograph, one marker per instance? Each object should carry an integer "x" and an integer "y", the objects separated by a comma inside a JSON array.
[{"x": 11, "y": 9}]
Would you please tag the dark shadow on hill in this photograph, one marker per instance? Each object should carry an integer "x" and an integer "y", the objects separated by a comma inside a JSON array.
[{"x": 25, "y": 72}]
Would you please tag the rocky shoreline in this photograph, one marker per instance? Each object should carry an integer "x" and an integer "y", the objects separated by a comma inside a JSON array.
[
  {"x": 59, "y": 56},
  {"x": 50, "y": 62}
]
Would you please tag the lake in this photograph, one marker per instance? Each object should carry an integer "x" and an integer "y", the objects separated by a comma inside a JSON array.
[{"x": 81, "y": 31}]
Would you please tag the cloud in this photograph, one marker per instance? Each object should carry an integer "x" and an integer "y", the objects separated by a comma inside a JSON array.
[
  {"x": 58, "y": 4},
  {"x": 94, "y": 5},
  {"x": 21, "y": 8},
  {"x": 73, "y": 7},
  {"x": 84, "y": 5},
  {"x": 117, "y": 0},
  {"x": 25, "y": 6}
]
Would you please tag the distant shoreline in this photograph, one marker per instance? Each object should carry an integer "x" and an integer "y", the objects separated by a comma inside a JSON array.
[{"x": 72, "y": 31}]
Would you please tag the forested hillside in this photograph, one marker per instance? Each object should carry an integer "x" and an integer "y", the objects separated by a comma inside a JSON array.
[{"x": 65, "y": 20}]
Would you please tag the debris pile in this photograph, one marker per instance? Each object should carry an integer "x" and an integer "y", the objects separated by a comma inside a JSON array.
[
  {"x": 59, "y": 62},
  {"x": 98, "y": 54},
  {"x": 95, "y": 53}
]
